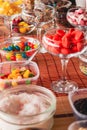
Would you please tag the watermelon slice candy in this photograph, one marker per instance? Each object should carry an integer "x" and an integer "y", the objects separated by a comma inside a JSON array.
[{"x": 61, "y": 33}]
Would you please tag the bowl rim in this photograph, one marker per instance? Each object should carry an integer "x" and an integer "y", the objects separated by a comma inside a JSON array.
[
  {"x": 75, "y": 123},
  {"x": 69, "y": 3}
]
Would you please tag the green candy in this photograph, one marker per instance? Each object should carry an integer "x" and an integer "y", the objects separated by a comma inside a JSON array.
[
  {"x": 27, "y": 48},
  {"x": 28, "y": 81}
]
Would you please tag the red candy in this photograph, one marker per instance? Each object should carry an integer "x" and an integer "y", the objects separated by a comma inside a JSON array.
[{"x": 63, "y": 42}]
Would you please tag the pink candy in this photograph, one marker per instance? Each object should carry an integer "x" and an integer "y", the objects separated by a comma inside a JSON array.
[{"x": 77, "y": 17}]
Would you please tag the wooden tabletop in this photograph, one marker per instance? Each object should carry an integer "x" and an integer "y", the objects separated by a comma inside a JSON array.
[{"x": 50, "y": 70}]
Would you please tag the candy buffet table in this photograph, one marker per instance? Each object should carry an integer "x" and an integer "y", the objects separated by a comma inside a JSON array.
[{"x": 50, "y": 70}]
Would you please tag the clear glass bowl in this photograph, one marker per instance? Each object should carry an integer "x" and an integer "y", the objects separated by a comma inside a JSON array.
[
  {"x": 18, "y": 48},
  {"x": 77, "y": 17},
  {"x": 23, "y": 23},
  {"x": 78, "y": 102},
  {"x": 17, "y": 72},
  {"x": 31, "y": 96},
  {"x": 78, "y": 125},
  {"x": 61, "y": 11}
]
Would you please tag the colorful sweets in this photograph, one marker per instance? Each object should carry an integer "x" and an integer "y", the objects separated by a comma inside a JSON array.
[
  {"x": 77, "y": 16},
  {"x": 19, "y": 25},
  {"x": 16, "y": 73},
  {"x": 19, "y": 51},
  {"x": 64, "y": 42}
]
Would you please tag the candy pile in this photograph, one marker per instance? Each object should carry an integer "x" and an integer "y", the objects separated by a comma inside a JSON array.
[
  {"x": 20, "y": 26},
  {"x": 64, "y": 42},
  {"x": 18, "y": 73},
  {"x": 10, "y": 8},
  {"x": 77, "y": 16},
  {"x": 19, "y": 51}
]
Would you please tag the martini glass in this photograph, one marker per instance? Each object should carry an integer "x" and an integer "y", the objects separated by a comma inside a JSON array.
[{"x": 64, "y": 43}]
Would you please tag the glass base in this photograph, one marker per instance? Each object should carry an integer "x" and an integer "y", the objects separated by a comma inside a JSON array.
[{"x": 64, "y": 86}]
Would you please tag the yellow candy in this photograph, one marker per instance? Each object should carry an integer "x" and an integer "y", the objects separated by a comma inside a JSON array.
[
  {"x": 18, "y": 56},
  {"x": 23, "y": 27},
  {"x": 9, "y": 55},
  {"x": 35, "y": 46},
  {"x": 14, "y": 84},
  {"x": 26, "y": 74},
  {"x": 22, "y": 30},
  {"x": 15, "y": 71}
]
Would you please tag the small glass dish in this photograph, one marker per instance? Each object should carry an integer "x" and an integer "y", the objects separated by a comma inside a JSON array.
[
  {"x": 17, "y": 72},
  {"x": 27, "y": 107},
  {"x": 23, "y": 23},
  {"x": 78, "y": 102},
  {"x": 18, "y": 48},
  {"x": 77, "y": 17},
  {"x": 78, "y": 125},
  {"x": 83, "y": 63}
]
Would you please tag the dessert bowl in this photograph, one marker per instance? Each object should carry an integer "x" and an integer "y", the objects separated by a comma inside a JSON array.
[
  {"x": 77, "y": 17},
  {"x": 18, "y": 48},
  {"x": 78, "y": 102},
  {"x": 16, "y": 73},
  {"x": 27, "y": 107}
]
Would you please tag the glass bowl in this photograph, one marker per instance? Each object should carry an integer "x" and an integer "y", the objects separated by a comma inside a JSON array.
[
  {"x": 61, "y": 11},
  {"x": 77, "y": 17},
  {"x": 18, "y": 48},
  {"x": 78, "y": 102},
  {"x": 29, "y": 107},
  {"x": 78, "y": 125},
  {"x": 16, "y": 73},
  {"x": 23, "y": 23}
]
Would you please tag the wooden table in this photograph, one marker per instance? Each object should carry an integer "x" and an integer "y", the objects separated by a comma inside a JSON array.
[{"x": 50, "y": 70}]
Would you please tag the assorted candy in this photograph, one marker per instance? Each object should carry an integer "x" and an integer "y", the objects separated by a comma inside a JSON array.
[
  {"x": 64, "y": 42},
  {"x": 10, "y": 8},
  {"x": 20, "y": 50},
  {"x": 21, "y": 26},
  {"x": 77, "y": 16},
  {"x": 16, "y": 75}
]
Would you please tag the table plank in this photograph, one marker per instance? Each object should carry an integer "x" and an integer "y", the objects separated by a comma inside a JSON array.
[
  {"x": 62, "y": 123},
  {"x": 63, "y": 107}
]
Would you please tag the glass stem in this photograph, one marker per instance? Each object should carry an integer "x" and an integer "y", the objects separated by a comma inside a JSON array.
[
  {"x": 64, "y": 62},
  {"x": 39, "y": 33}
]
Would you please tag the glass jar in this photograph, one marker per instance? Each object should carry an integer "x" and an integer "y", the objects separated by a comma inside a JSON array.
[
  {"x": 24, "y": 100},
  {"x": 83, "y": 63}
]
